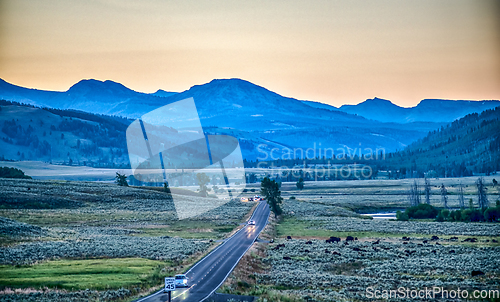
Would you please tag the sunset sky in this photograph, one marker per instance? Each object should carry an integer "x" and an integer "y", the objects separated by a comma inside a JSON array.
[{"x": 335, "y": 52}]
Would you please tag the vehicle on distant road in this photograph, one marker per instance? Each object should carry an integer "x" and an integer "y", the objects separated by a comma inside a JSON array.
[
  {"x": 251, "y": 222},
  {"x": 181, "y": 281}
]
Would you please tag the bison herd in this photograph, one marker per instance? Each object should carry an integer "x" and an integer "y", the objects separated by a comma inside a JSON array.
[
  {"x": 405, "y": 240},
  {"x": 337, "y": 239}
]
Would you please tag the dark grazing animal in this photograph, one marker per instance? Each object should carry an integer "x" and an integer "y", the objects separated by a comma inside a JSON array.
[
  {"x": 476, "y": 273},
  {"x": 333, "y": 239},
  {"x": 470, "y": 240},
  {"x": 278, "y": 246},
  {"x": 349, "y": 238}
]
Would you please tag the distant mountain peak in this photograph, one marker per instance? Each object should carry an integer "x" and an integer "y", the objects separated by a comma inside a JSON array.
[
  {"x": 231, "y": 83},
  {"x": 163, "y": 93},
  {"x": 436, "y": 110},
  {"x": 89, "y": 85},
  {"x": 375, "y": 103},
  {"x": 377, "y": 100},
  {"x": 236, "y": 90}
]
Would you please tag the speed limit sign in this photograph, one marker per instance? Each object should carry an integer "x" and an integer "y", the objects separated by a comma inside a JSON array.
[{"x": 169, "y": 284}]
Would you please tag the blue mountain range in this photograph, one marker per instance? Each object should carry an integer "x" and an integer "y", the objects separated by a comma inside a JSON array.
[{"x": 258, "y": 116}]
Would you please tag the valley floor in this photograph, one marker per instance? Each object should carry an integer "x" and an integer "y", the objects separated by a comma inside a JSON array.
[
  {"x": 80, "y": 241},
  {"x": 386, "y": 255}
]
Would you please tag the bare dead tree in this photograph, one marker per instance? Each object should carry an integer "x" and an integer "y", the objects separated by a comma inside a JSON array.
[
  {"x": 411, "y": 196},
  {"x": 427, "y": 190},
  {"x": 461, "y": 201},
  {"x": 414, "y": 194},
  {"x": 444, "y": 196},
  {"x": 481, "y": 193},
  {"x": 417, "y": 192}
]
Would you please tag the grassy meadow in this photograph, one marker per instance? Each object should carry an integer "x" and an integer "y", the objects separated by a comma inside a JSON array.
[
  {"x": 80, "y": 241},
  {"x": 306, "y": 268}
]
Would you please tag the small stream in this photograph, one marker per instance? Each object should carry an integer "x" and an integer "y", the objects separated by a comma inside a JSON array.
[{"x": 390, "y": 215}]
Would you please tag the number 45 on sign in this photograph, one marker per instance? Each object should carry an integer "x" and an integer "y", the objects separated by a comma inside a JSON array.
[{"x": 169, "y": 284}]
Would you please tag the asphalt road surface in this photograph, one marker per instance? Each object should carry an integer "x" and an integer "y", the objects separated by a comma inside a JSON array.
[{"x": 208, "y": 274}]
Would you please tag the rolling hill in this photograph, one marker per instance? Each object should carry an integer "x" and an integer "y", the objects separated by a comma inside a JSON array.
[
  {"x": 427, "y": 110},
  {"x": 466, "y": 146},
  {"x": 100, "y": 97},
  {"x": 61, "y": 136},
  {"x": 250, "y": 112},
  {"x": 257, "y": 116}
]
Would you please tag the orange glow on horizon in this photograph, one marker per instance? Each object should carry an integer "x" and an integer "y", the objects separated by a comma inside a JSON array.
[{"x": 335, "y": 52}]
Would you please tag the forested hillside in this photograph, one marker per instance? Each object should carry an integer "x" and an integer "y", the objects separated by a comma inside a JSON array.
[
  {"x": 470, "y": 145},
  {"x": 61, "y": 136},
  {"x": 466, "y": 146},
  {"x": 258, "y": 116}
]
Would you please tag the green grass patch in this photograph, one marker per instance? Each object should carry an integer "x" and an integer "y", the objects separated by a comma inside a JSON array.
[
  {"x": 300, "y": 228},
  {"x": 98, "y": 274},
  {"x": 290, "y": 226},
  {"x": 188, "y": 229}
]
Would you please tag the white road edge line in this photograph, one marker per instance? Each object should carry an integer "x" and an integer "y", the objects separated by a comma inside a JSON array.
[
  {"x": 225, "y": 241},
  {"x": 253, "y": 214},
  {"x": 231, "y": 270},
  {"x": 201, "y": 260}
]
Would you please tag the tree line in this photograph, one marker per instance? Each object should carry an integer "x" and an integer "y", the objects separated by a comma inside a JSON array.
[{"x": 419, "y": 209}]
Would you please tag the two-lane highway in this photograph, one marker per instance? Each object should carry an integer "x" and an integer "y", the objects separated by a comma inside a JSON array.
[{"x": 210, "y": 272}]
